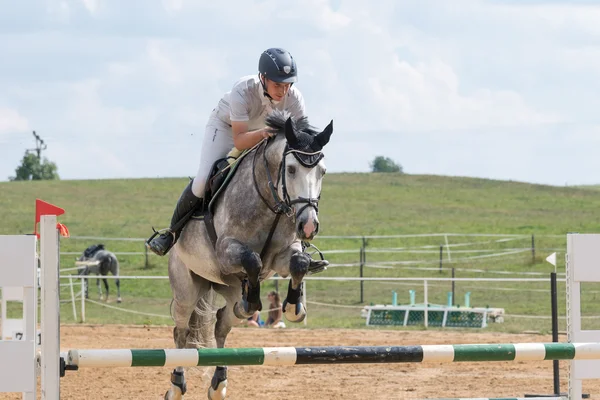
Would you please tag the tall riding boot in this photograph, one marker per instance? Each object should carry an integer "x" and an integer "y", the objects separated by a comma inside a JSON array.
[{"x": 186, "y": 205}]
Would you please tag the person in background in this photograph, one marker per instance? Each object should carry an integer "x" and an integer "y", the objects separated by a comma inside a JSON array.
[
  {"x": 275, "y": 319},
  {"x": 254, "y": 321}
]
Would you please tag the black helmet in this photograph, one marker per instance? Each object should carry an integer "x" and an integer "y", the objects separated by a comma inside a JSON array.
[{"x": 278, "y": 65}]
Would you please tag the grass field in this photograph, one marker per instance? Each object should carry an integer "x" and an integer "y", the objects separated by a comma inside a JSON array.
[{"x": 357, "y": 205}]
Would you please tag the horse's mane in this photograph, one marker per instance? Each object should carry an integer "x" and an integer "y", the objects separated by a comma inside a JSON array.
[{"x": 276, "y": 120}]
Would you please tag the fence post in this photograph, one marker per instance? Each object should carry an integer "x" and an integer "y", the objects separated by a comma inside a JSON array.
[
  {"x": 146, "y": 255},
  {"x": 362, "y": 263},
  {"x": 533, "y": 248},
  {"x": 453, "y": 287}
]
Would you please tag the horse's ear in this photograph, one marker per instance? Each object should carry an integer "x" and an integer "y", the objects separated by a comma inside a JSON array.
[
  {"x": 290, "y": 133},
  {"x": 323, "y": 137}
]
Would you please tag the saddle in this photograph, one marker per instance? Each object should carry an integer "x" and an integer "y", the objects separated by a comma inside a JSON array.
[
  {"x": 219, "y": 178},
  {"x": 93, "y": 249}
]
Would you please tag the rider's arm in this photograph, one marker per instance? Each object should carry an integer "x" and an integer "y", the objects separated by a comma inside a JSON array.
[
  {"x": 244, "y": 139},
  {"x": 240, "y": 106}
]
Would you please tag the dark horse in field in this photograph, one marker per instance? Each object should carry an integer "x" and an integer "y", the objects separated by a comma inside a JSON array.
[
  {"x": 101, "y": 262},
  {"x": 258, "y": 225}
]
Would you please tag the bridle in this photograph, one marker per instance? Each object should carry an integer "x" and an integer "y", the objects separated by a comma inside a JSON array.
[{"x": 285, "y": 205}]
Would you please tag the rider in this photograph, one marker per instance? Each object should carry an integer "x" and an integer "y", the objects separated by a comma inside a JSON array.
[{"x": 237, "y": 121}]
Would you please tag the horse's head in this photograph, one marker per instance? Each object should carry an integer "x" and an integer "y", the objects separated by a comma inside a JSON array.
[{"x": 301, "y": 170}]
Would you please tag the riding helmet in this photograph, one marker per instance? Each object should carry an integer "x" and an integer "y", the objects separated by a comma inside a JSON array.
[{"x": 278, "y": 65}]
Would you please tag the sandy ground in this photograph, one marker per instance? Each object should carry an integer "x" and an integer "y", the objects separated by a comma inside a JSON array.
[{"x": 357, "y": 381}]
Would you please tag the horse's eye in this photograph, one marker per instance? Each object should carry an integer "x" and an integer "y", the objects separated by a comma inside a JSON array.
[{"x": 291, "y": 169}]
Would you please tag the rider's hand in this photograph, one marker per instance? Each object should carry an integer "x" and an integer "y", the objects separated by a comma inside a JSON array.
[{"x": 267, "y": 133}]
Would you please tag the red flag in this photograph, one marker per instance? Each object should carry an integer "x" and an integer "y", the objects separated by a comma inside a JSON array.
[
  {"x": 62, "y": 229},
  {"x": 43, "y": 208}
]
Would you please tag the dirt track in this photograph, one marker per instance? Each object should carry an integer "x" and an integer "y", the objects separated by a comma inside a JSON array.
[{"x": 367, "y": 381}]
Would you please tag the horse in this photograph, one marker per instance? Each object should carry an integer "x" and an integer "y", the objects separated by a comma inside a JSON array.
[
  {"x": 255, "y": 226},
  {"x": 100, "y": 261}
]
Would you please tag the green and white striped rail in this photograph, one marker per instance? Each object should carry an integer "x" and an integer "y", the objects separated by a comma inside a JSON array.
[{"x": 99, "y": 358}]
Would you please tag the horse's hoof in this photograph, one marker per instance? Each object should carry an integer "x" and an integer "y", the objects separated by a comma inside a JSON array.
[
  {"x": 294, "y": 312},
  {"x": 245, "y": 310},
  {"x": 174, "y": 394},
  {"x": 119, "y": 300},
  {"x": 219, "y": 393}
]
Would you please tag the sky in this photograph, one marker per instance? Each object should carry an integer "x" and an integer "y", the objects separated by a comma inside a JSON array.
[{"x": 123, "y": 89}]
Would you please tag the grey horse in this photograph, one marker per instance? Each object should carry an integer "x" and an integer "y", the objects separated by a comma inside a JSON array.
[
  {"x": 101, "y": 262},
  {"x": 260, "y": 224}
]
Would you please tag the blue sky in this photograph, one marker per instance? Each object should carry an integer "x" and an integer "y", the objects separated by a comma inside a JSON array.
[{"x": 493, "y": 89}]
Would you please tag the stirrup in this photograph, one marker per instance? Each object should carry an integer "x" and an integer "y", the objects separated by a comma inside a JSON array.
[
  {"x": 160, "y": 232},
  {"x": 306, "y": 245},
  {"x": 315, "y": 266},
  {"x": 163, "y": 248}
]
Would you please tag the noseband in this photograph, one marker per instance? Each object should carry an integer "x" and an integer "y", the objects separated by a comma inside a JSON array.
[{"x": 285, "y": 205}]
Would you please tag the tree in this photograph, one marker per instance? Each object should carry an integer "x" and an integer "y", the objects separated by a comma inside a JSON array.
[
  {"x": 385, "y": 164},
  {"x": 33, "y": 167}
]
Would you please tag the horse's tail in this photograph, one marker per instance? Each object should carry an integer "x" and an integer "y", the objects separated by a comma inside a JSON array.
[{"x": 203, "y": 319}]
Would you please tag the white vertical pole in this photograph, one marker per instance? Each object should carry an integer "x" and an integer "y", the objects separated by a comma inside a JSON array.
[
  {"x": 426, "y": 301},
  {"x": 575, "y": 388},
  {"x": 448, "y": 248},
  {"x": 3, "y": 317},
  {"x": 73, "y": 298},
  {"x": 83, "y": 283},
  {"x": 305, "y": 303},
  {"x": 50, "y": 308},
  {"x": 30, "y": 327}
]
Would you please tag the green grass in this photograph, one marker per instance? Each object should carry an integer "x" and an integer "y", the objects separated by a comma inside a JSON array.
[{"x": 352, "y": 205}]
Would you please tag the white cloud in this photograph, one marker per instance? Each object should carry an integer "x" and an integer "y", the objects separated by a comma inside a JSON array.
[
  {"x": 58, "y": 10},
  {"x": 91, "y": 5},
  {"x": 172, "y": 6},
  {"x": 428, "y": 78},
  {"x": 12, "y": 122}
]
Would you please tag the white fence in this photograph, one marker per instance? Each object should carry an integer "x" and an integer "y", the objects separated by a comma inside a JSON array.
[{"x": 444, "y": 251}]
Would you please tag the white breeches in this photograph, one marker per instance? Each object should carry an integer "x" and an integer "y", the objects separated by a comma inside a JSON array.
[{"x": 217, "y": 143}]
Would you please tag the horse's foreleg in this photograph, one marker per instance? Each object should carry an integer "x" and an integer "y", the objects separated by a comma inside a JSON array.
[
  {"x": 187, "y": 288},
  {"x": 292, "y": 306},
  {"x": 234, "y": 256},
  {"x": 226, "y": 318}
]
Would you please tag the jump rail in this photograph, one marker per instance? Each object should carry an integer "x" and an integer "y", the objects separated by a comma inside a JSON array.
[{"x": 98, "y": 358}]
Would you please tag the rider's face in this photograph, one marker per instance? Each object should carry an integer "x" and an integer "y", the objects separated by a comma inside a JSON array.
[{"x": 277, "y": 90}]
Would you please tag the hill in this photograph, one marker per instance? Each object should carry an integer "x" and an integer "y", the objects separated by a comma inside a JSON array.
[{"x": 358, "y": 205}]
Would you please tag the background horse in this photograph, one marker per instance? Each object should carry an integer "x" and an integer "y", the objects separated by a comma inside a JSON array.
[
  {"x": 101, "y": 262},
  {"x": 260, "y": 221}
]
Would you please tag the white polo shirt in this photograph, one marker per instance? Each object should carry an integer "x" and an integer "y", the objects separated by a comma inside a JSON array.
[{"x": 246, "y": 102}]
